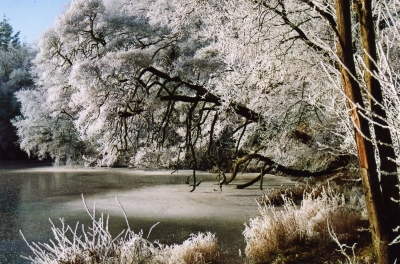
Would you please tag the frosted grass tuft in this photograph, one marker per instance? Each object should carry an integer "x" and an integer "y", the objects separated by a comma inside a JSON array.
[
  {"x": 277, "y": 228},
  {"x": 95, "y": 244}
]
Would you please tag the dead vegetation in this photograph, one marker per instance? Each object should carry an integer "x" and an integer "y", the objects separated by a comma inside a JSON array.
[
  {"x": 277, "y": 229},
  {"x": 315, "y": 213},
  {"x": 95, "y": 245},
  {"x": 349, "y": 187}
]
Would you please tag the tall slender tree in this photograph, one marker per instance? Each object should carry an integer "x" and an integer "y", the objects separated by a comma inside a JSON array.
[
  {"x": 7, "y": 38},
  {"x": 383, "y": 212},
  {"x": 388, "y": 168}
]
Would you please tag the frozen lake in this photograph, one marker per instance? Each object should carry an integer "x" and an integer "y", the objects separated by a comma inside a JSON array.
[{"x": 31, "y": 194}]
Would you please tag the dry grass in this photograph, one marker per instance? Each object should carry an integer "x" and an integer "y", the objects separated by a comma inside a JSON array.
[
  {"x": 350, "y": 190},
  {"x": 310, "y": 225},
  {"x": 96, "y": 245},
  {"x": 278, "y": 229},
  {"x": 199, "y": 249}
]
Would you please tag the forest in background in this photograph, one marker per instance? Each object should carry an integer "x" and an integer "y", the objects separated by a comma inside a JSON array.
[{"x": 15, "y": 62}]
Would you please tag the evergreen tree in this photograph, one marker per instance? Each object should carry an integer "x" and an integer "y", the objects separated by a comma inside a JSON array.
[
  {"x": 7, "y": 39},
  {"x": 15, "y": 60}
]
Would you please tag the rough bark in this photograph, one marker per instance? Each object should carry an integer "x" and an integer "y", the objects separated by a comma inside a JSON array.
[
  {"x": 388, "y": 167},
  {"x": 367, "y": 162}
]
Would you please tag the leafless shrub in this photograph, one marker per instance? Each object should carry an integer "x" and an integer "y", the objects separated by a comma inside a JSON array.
[{"x": 277, "y": 229}]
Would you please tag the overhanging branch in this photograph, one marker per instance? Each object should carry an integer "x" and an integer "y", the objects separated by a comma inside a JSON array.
[
  {"x": 279, "y": 168},
  {"x": 202, "y": 94}
]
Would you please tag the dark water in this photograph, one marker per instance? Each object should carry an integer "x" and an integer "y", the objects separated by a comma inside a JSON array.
[{"x": 28, "y": 199}]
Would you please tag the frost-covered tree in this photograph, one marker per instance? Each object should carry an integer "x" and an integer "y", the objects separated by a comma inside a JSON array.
[
  {"x": 198, "y": 83},
  {"x": 370, "y": 107},
  {"x": 7, "y": 38},
  {"x": 14, "y": 75},
  {"x": 380, "y": 68}
]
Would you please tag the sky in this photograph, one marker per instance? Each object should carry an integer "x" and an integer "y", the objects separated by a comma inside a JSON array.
[{"x": 31, "y": 17}]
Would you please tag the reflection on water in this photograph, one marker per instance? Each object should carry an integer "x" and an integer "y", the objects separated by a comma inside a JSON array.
[
  {"x": 9, "y": 204},
  {"x": 29, "y": 197}
]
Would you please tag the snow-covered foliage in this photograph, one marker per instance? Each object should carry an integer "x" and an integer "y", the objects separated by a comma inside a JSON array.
[
  {"x": 14, "y": 75},
  {"x": 161, "y": 82}
]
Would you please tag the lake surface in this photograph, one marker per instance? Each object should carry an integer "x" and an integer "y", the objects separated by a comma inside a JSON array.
[{"x": 33, "y": 193}]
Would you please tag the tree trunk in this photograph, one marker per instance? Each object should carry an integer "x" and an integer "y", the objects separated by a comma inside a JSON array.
[
  {"x": 367, "y": 162},
  {"x": 388, "y": 167}
]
